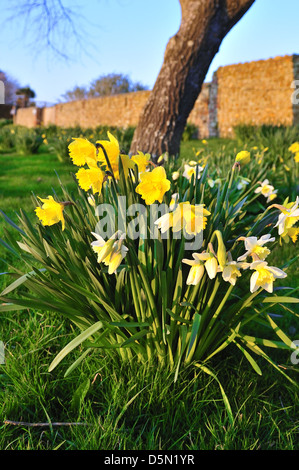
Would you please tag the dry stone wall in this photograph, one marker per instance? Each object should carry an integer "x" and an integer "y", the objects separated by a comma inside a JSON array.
[
  {"x": 255, "y": 93},
  {"x": 260, "y": 92}
]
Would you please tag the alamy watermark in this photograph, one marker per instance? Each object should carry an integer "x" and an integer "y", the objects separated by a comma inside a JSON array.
[
  {"x": 2, "y": 353},
  {"x": 2, "y": 92},
  {"x": 295, "y": 354},
  {"x": 295, "y": 95},
  {"x": 138, "y": 221}
]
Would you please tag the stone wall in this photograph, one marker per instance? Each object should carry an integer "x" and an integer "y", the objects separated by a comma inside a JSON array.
[
  {"x": 251, "y": 93},
  {"x": 119, "y": 110},
  {"x": 255, "y": 93},
  {"x": 28, "y": 117}
]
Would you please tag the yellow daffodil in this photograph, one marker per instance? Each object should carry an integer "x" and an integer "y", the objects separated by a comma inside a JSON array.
[
  {"x": 142, "y": 161},
  {"x": 255, "y": 247},
  {"x": 294, "y": 148},
  {"x": 91, "y": 178},
  {"x": 296, "y": 157},
  {"x": 243, "y": 157},
  {"x": 111, "y": 147},
  {"x": 153, "y": 185},
  {"x": 111, "y": 252},
  {"x": 204, "y": 142},
  {"x": 82, "y": 152},
  {"x": 51, "y": 212},
  {"x": 191, "y": 218},
  {"x": 264, "y": 276},
  {"x": 127, "y": 164},
  {"x": 265, "y": 188},
  {"x": 189, "y": 171}
]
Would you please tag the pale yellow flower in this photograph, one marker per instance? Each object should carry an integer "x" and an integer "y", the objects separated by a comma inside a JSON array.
[
  {"x": 255, "y": 247},
  {"x": 191, "y": 218},
  {"x": 264, "y": 276},
  {"x": 288, "y": 217},
  {"x": 265, "y": 188},
  {"x": 111, "y": 252},
  {"x": 231, "y": 270},
  {"x": 189, "y": 171},
  {"x": 198, "y": 265},
  {"x": 173, "y": 201}
]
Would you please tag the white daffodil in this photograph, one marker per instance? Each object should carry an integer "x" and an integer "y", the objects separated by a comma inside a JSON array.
[
  {"x": 91, "y": 200},
  {"x": 265, "y": 188},
  {"x": 201, "y": 260},
  {"x": 189, "y": 171},
  {"x": 272, "y": 195},
  {"x": 288, "y": 217},
  {"x": 231, "y": 269},
  {"x": 111, "y": 252},
  {"x": 175, "y": 175},
  {"x": 264, "y": 276},
  {"x": 255, "y": 247},
  {"x": 197, "y": 269},
  {"x": 174, "y": 201},
  {"x": 242, "y": 184},
  {"x": 191, "y": 218}
]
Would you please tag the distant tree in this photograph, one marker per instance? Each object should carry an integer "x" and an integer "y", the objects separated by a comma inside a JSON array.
[
  {"x": 188, "y": 55},
  {"x": 11, "y": 86},
  {"x": 78, "y": 93},
  {"x": 113, "y": 84},
  {"x": 26, "y": 94},
  {"x": 105, "y": 85}
]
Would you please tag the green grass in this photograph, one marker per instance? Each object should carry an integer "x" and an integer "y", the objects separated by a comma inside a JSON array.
[{"x": 126, "y": 407}]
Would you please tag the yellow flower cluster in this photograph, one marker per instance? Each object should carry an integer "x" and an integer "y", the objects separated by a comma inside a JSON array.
[{"x": 294, "y": 148}]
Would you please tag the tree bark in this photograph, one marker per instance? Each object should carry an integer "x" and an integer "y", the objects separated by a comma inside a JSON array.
[{"x": 187, "y": 58}]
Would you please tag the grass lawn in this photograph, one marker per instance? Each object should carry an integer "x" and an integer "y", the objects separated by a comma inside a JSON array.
[{"x": 117, "y": 407}]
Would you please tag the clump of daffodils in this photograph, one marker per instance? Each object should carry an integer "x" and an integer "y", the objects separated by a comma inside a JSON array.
[{"x": 195, "y": 273}]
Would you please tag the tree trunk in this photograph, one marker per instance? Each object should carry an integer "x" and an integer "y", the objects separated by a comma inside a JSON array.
[{"x": 187, "y": 58}]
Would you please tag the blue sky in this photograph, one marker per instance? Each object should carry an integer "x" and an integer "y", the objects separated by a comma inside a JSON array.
[{"x": 130, "y": 36}]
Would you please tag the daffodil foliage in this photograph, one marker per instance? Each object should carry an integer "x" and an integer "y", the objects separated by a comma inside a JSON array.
[{"x": 157, "y": 296}]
